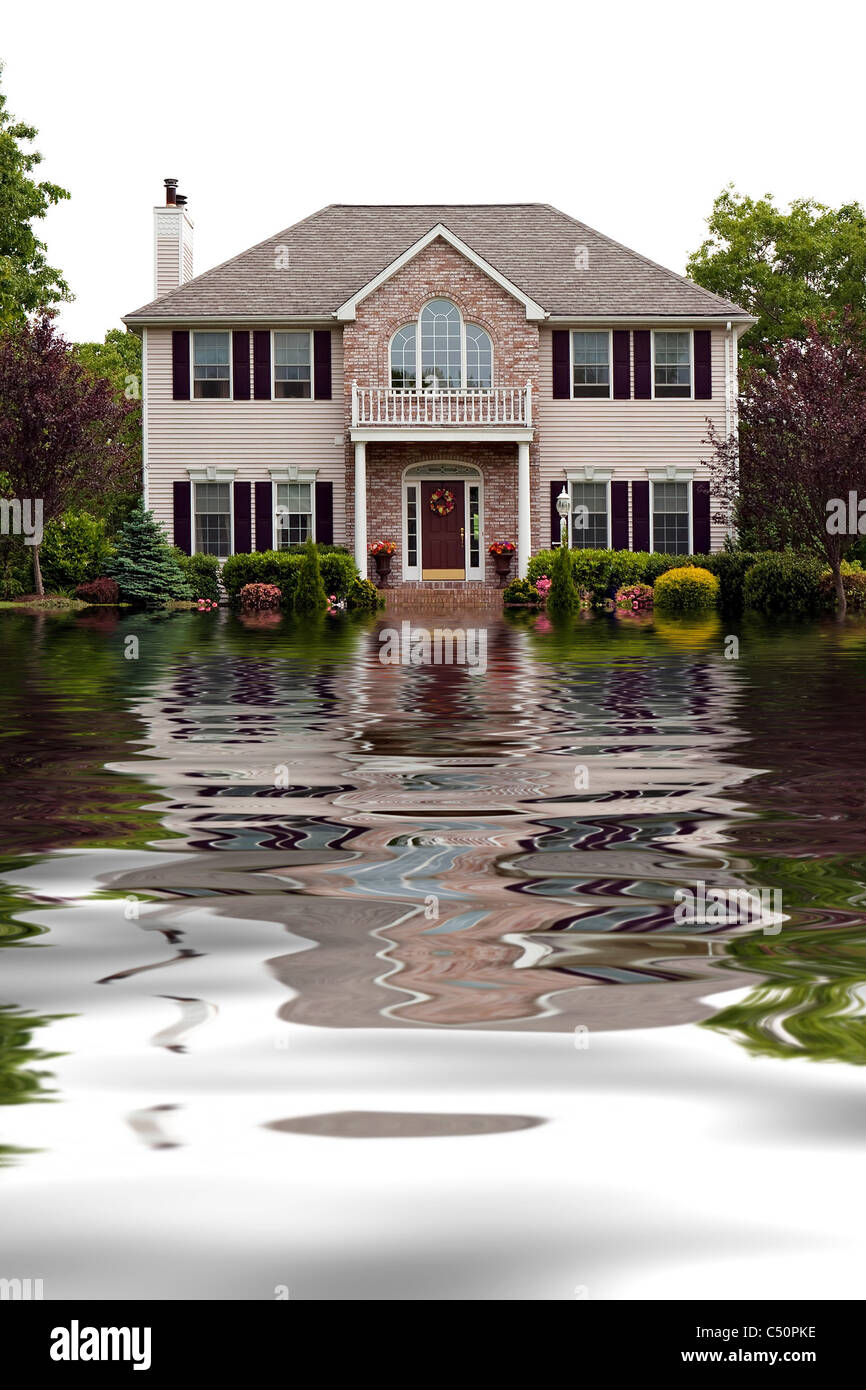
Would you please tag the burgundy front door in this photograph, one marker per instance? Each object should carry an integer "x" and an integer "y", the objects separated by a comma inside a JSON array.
[{"x": 443, "y": 546}]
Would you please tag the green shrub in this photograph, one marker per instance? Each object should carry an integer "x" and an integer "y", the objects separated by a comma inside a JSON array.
[
  {"x": 853, "y": 582},
  {"x": 310, "y": 597},
  {"x": 784, "y": 583},
  {"x": 144, "y": 565},
  {"x": 16, "y": 567},
  {"x": 686, "y": 589},
  {"x": 339, "y": 572},
  {"x": 73, "y": 551},
  {"x": 202, "y": 573},
  {"x": 282, "y": 567},
  {"x": 521, "y": 591},
  {"x": 562, "y": 597},
  {"x": 363, "y": 597}
]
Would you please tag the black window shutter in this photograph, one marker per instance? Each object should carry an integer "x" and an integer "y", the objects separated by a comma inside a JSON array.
[
  {"x": 561, "y": 365},
  {"x": 182, "y": 524},
  {"x": 640, "y": 518},
  {"x": 703, "y": 365},
  {"x": 642, "y": 371},
  {"x": 701, "y": 516},
  {"x": 180, "y": 365},
  {"x": 262, "y": 365},
  {"x": 619, "y": 516},
  {"x": 555, "y": 518},
  {"x": 264, "y": 516},
  {"x": 324, "y": 513},
  {"x": 241, "y": 365},
  {"x": 621, "y": 364},
  {"x": 243, "y": 503},
  {"x": 322, "y": 363}
]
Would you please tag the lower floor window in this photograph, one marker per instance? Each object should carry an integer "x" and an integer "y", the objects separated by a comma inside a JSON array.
[
  {"x": 411, "y": 527},
  {"x": 474, "y": 526},
  {"x": 589, "y": 519},
  {"x": 213, "y": 519},
  {"x": 671, "y": 518},
  {"x": 294, "y": 514}
]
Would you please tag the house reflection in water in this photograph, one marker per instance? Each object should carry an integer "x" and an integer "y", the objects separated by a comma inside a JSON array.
[{"x": 457, "y": 851}]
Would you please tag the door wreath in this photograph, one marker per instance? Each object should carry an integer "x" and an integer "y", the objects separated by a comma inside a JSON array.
[{"x": 442, "y": 501}]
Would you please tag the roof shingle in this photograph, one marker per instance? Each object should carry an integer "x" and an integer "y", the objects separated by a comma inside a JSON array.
[{"x": 338, "y": 250}]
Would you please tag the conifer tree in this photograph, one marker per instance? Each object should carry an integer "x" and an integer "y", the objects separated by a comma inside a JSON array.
[
  {"x": 143, "y": 564},
  {"x": 563, "y": 592},
  {"x": 310, "y": 598}
]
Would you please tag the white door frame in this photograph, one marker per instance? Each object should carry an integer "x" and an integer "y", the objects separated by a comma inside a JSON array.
[{"x": 456, "y": 471}]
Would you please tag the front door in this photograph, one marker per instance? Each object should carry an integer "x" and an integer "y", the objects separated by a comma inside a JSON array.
[{"x": 443, "y": 542}]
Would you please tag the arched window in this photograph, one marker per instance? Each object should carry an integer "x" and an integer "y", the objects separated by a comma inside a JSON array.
[
  {"x": 479, "y": 357},
  {"x": 452, "y": 354},
  {"x": 403, "y": 356},
  {"x": 441, "y": 363}
]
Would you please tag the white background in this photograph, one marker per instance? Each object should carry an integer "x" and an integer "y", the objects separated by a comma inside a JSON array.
[{"x": 631, "y": 117}]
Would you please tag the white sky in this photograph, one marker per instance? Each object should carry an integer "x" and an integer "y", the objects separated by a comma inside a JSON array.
[{"x": 629, "y": 116}]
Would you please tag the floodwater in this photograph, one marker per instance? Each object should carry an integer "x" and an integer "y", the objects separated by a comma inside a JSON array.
[{"x": 329, "y": 977}]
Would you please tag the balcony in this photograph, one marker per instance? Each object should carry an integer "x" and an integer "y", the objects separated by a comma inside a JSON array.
[{"x": 503, "y": 409}]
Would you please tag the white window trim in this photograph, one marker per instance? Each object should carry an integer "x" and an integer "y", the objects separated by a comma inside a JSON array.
[
  {"x": 211, "y": 400},
  {"x": 419, "y": 384},
  {"x": 571, "y": 333},
  {"x": 691, "y": 395},
  {"x": 212, "y": 475},
  {"x": 672, "y": 475},
  {"x": 591, "y": 475},
  {"x": 432, "y": 473},
  {"x": 292, "y": 474},
  {"x": 292, "y": 400}
]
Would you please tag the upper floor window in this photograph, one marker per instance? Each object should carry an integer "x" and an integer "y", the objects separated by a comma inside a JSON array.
[
  {"x": 590, "y": 355},
  {"x": 452, "y": 354},
  {"x": 479, "y": 357},
  {"x": 211, "y": 368},
  {"x": 292, "y": 370},
  {"x": 403, "y": 356},
  {"x": 672, "y": 356}
]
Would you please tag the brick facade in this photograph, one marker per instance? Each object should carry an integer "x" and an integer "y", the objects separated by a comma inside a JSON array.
[{"x": 441, "y": 272}]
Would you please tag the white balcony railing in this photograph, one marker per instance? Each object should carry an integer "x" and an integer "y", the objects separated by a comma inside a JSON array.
[{"x": 503, "y": 406}]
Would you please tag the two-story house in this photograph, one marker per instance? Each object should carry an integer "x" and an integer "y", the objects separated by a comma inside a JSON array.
[{"x": 435, "y": 376}]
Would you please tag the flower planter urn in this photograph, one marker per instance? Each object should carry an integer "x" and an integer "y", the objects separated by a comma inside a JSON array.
[
  {"x": 503, "y": 567},
  {"x": 383, "y": 568}
]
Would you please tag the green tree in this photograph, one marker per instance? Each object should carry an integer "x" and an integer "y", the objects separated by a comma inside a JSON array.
[
  {"x": 144, "y": 565},
  {"x": 27, "y": 281},
  {"x": 786, "y": 267},
  {"x": 562, "y": 597},
  {"x": 118, "y": 360},
  {"x": 310, "y": 597}
]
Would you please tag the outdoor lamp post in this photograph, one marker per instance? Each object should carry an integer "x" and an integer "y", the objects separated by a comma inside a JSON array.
[{"x": 563, "y": 506}]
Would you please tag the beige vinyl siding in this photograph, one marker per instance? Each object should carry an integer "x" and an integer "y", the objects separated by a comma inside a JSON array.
[
  {"x": 627, "y": 437},
  {"x": 168, "y": 275},
  {"x": 250, "y": 436}
]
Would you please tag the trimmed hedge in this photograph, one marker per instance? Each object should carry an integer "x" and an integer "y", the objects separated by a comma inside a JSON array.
[
  {"x": 606, "y": 571},
  {"x": 202, "y": 574},
  {"x": 686, "y": 589},
  {"x": 282, "y": 567}
]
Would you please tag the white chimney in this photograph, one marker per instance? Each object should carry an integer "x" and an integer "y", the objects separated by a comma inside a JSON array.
[{"x": 172, "y": 242}]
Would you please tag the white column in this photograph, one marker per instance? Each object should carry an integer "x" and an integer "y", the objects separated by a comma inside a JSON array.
[
  {"x": 524, "y": 527},
  {"x": 361, "y": 508}
]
